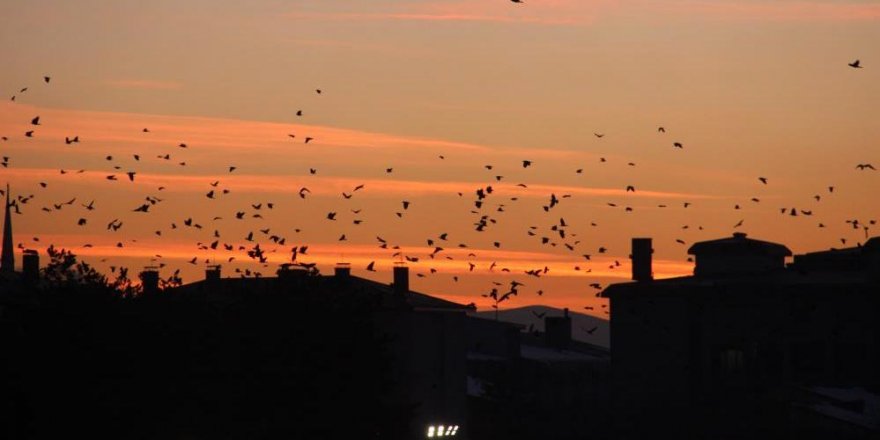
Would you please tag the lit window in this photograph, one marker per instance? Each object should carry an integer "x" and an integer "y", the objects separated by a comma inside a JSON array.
[
  {"x": 455, "y": 430},
  {"x": 440, "y": 431},
  {"x": 431, "y": 431}
]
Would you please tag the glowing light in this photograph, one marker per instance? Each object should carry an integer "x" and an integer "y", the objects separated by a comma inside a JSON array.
[{"x": 442, "y": 431}]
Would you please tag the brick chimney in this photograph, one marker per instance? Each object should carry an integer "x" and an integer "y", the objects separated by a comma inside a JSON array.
[
  {"x": 30, "y": 266},
  {"x": 212, "y": 273},
  {"x": 150, "y": 280},
  {"x": 342, "y": 271},
  {"x": 641, "y": 259},
  {"x": 557, "y": 331},
  {"x": 401, "y": 279}
]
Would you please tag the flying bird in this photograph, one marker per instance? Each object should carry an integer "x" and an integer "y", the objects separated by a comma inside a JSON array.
[{"x": 855, "y": 64}]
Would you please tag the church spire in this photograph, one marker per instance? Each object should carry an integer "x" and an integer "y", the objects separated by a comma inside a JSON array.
[{"x": 7, "y": 259}]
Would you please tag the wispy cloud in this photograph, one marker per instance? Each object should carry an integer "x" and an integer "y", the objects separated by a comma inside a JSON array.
[
  {"x": 333, "y": 186},
  {"x": 785, "y": 10},
  {"x": 486, "y": 262},
  {"x": 544, "y": 13},
  {"x": 432, "y": 17},
  {"x": 145, "y": 84}
]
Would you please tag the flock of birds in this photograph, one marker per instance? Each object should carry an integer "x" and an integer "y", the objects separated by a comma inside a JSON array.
[{"x": 485, "y": 216}]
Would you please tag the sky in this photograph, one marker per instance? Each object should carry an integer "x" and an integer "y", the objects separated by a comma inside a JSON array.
[{"x": 438, "y": 91}]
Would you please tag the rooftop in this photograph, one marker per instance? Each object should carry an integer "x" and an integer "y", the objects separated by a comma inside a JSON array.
[
  {"x": 729, "y": 260},
  {"x": 739, "y": 244},
  {"x": 227, "y": 288}
]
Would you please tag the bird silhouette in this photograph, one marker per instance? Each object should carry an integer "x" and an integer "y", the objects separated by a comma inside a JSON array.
[{"x": 855, "y": 64}]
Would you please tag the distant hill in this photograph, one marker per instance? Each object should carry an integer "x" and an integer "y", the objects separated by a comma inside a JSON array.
[{"x": 580, "y": 322}]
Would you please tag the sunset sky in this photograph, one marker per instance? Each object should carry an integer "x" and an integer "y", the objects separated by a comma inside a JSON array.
[{"x": 749, "y": 88}]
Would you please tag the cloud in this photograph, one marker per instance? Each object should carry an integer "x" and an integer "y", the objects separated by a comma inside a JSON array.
[
  {"x": 144, "y": 84},
  {"x": 777, "y": 10},
  {"x": 543, "y": 13},
  {"x": 333, "y": 186},
  {"x": 431, "y": 17},
  {"x": 578, "y": 13},
  {"x": 358, "y": 256}
]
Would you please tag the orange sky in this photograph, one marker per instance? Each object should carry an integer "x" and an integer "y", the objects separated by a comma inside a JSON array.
[{"x": 750, "y": 88}]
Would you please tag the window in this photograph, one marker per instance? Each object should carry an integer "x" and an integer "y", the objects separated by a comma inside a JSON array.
[{"x": 732, "y": 361}]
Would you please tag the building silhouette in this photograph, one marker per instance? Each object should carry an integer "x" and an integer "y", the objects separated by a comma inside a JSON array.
[
  {"x": 7, "y": 260},
  {"x": 526, "y": 384},
  {"x": 12, "y": 282},
  {"x": 740, "y": 348},
  {"x": 426, "y": 335}
]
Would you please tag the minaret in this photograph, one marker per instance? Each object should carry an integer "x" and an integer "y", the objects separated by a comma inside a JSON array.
[{"x": 7, "y": 259}]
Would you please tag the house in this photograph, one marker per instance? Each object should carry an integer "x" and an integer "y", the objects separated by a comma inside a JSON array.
[
  {"x": 526, "y": 384},
  {"x": 426, "y": 334},
  {"x": 717, "y": 354}
]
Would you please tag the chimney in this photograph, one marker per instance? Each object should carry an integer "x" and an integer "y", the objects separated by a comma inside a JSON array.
[
  {"x": 401, "y": 279},
  {"x": 557, "y": 331},
  {"x": 212, "y": 273},
  {"x": 31, "y": 266},
  {"x": 641, "y": 259},
  {"x": 292, "y": 275},
  {"x": 150, "y": 280},
  {"x": 342, "y": 271}
]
